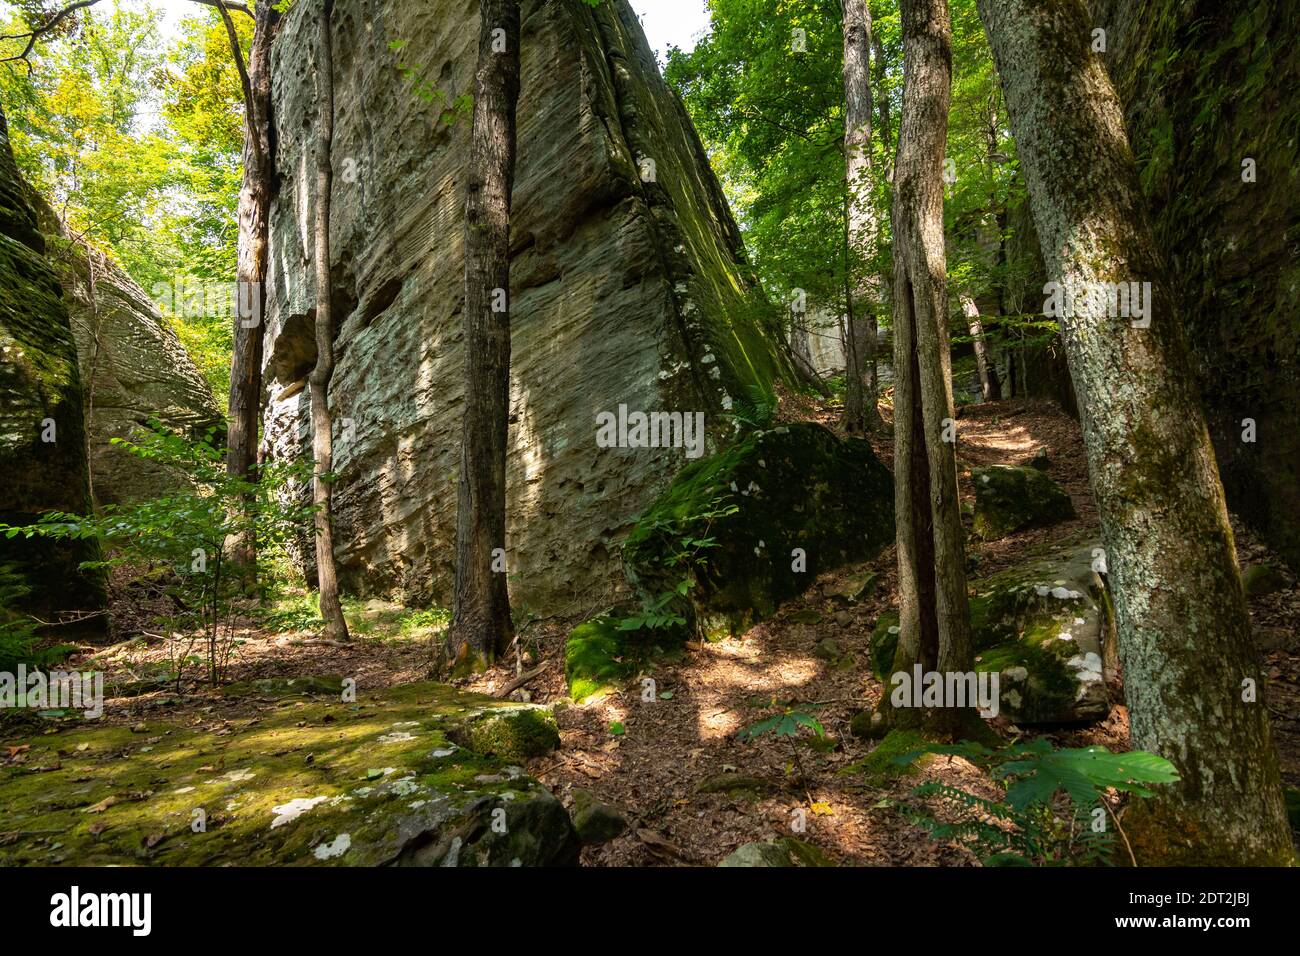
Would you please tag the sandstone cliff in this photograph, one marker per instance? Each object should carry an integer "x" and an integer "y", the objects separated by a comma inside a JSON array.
[
  {"x": 133, "y": 366},
  {"x": 629, "y": 287}
]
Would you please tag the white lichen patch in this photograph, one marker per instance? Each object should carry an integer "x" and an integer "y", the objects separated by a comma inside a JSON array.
[
  {"x": 238, "y": 776},
  {"x": 396, "y": 737},
  {"x": 335, "y": 848},
  {"x": 288, "y": 812}
]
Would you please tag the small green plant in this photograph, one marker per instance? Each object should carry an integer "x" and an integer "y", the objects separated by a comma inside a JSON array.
[
  {"x": 177, "y": 541},
  {"x": 683, "y": 560},
  {"x": 1053, "y": 811},
  {"x": 18, "y": 643},
  {"x": 434, "y": 617},
  {"x": 786, "y": 723}
]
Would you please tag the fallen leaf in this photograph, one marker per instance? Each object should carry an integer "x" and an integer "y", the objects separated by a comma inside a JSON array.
[{"x": 101, "y": 806}]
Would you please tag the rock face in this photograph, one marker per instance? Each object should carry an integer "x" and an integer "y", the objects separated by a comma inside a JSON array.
[
  {"x": 779, "y": 507},
  {"x": 42, "y": 428},
  {"x": 629, "y": 287},
  {"x": 1045, "y": 627},
  {"x": 327, "y": 783},
  {"x": 133, "y": 367},
  {"x": 1214, "y": 131},
  {"x": 1009, "y": 498}
]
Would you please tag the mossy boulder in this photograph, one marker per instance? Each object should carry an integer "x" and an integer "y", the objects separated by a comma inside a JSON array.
[
  {"x": 1042, "y": 627},
  {"x": 737, "y": 533},
  {"x": 1010, "y": 498},
  {"x": 596, "y": 822},
  {"x": 599, "y": 658},
  {"x": 379, "y": 781},
  {"x": 516, "y": 733},
  {"x": 783, "y": 852}
]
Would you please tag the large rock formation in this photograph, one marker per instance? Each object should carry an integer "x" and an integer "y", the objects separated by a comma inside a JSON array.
[
  {"x": 629, "y": 287},
  {"x": 42, "y": 428},
  {"x": 1212, "y": 96},
  {"x": 133, "y": 366}
]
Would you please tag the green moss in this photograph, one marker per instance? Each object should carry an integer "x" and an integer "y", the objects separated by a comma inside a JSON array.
[
  {"x": 879, "y": 768},
  {"x": 511, "y": 735},
  {"x": 801, "y": 502},
  {"x": 381, "y": 771},
  {"x": 1008, "y": 499}
]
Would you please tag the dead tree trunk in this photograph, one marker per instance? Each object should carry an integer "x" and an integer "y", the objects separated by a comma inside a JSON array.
[
  {"x": 481, "y": 625},
  {"x": 322, "y": 423},
  {"x": 862, "y": 228},
  {"x": 1190, "y": 668},
  {"x": 934, "y": 627},
  {"x": 254, "y": 239}
]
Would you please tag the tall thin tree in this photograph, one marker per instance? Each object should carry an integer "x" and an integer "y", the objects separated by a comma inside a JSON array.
[
  {"x": 934, "y": 628},
  {"x": 254, "y": 241},
  {"x": 481, "y": 625},
  {"x": 322, "y": 421},
  {"x": 863, "y": 294},
  {"x": 1191, "y": 672}
]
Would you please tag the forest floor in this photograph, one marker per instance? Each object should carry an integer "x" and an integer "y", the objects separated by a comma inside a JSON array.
[{"x": 691, "y": 789}]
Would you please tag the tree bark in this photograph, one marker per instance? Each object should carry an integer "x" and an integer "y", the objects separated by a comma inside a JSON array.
[
  {"x": 988, "y": 376},
  {"x": 322, "y": 422},
  {"x": 862, "y": 228},
  {"x": 934, "y": 627},
  {"x": 1184, "y": 632},
  {"x": 254, "y": 224},
  {"x": 481, "y": 625}
]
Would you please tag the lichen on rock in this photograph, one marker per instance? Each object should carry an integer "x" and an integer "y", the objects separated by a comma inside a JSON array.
[{"x": 322, "y": 783}]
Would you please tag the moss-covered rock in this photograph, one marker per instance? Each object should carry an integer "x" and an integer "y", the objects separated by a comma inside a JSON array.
[
  {"x": 1009, "y": 498},
  {"x": 517, "y": 733},
  {"x": 595, "y": 821},
  {"x": 784, "y": 852},
  {"x": 754, "y": 525},
  {"x": 42, "y": 422},
  {"x": 375, "y": 782},
  {"x": 880, "y": 767},
  {"x": 1042, "y": 627}
]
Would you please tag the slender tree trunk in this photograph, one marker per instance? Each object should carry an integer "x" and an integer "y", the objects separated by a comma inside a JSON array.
[
  {"x": 934, "y": 611},
  {"x": 862, "y": 228},
  {"x": 322, "y": 423},
  {"x": 254, "y": 222},
  {"x": 988, "y": 376},
  {"x": 481, "y": 625},
  {"x": 1184, "y": 633}
]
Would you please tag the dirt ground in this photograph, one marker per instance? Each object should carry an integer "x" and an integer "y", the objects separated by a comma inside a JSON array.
[{"x": 692, "y": 790}]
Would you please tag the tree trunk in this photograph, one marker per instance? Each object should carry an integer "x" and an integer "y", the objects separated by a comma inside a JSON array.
[
  {"x": 254, "y": 221},
  {"x": 934, "y": 627},
  {"x": 1184, "y": 633},
  {"x": 322, "y": 423},
  {"x": 481, "y": 625},
  {"x": 988, "y": 376},
  {"x": 862, "y": 229}
]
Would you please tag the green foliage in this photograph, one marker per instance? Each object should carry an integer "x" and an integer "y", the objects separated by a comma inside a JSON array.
[
  {"x": 787, "y": 723},
  {"x": 1053, "y": 809},
  {"x": 17, "y": 630},
  {"x": 178, "y": 541}
]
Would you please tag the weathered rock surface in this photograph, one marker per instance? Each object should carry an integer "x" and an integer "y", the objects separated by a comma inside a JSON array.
[
  {"x": 322, "y": 783},
  {"x": 42, "y": 427},
  {"x": 595, "y": 821},
  {"x": 133, "y": 367},
  {"x": 1009, "y": 498},
  {"x": 629, "y": 287},
  {"x": 1043, "y": 627},
  {"x": 777, "y": 509},
  {"x": 784, "y": 852}
]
